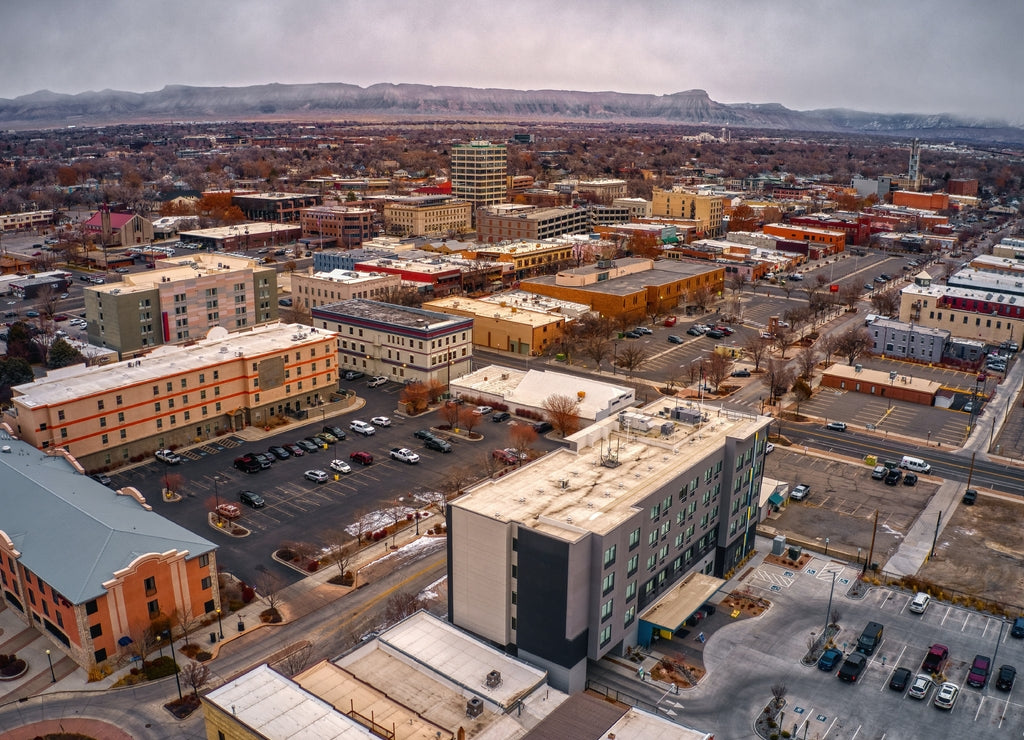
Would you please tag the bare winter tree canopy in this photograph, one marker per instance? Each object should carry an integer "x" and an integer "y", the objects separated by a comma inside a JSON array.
[{"x": 563, "y": 413}]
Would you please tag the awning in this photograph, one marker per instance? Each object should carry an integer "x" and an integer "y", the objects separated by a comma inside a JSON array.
[
  {"x": 124, "y": 641},
  {"x": 776, "y": 499},
  {"x": 675, "y": 607}
]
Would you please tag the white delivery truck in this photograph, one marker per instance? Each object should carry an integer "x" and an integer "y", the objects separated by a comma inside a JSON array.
[{"x": 914, "y": 463}]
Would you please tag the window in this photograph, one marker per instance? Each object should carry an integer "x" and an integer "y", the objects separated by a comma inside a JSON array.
[
  {"x": 655, "y": 511},
  {"x": 607, "y": 583},
  {"x": 632, "y": 565},
  {"x": 95, "y": 631},
  {"x": 666, "y": 503},
  {"x": 606, "y": 635},
  {"x": 204, "y": 561},
  {"x": 652, "y": 538},
  {"x": 206, "y": 583},
  {"x": 631, "y": 590},
  {"x": 630, "y": 616},
  {"x": 606, "y": 609},
  {"x": 634, "y": 538},
  {"x": 609, "y": 556},
  {"x": 153, "y": 607},
  {"x": 150, "y": 584},
  {"x": 652, "y": 561},
  {"x": 665, "y": 526}
]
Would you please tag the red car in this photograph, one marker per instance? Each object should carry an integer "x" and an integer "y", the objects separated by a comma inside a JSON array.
[
  {"x": 363, "y": 458},
  {"x": 505, "y": 456}
]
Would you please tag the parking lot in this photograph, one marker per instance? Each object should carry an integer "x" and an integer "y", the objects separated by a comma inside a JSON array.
[
  {"x": 300, "y": 510},
  {"x": 842, "y": 503},
  {"x": 868, "y": 708}
]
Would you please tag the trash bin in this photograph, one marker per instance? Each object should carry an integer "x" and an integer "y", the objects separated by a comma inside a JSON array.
[
  {"x": 213, "y": 637},
  {"x": 241, "y": 626}
]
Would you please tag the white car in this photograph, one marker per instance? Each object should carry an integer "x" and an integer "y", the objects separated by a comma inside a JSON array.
[
  {"x": 482, "y": 410},
  {"x": 770, "y": 447},
  {"x": 361, "y": 427},
  {"x": 404, "y": 454},
  {"x": 317, "y": 476},
  {"x": 340, "y": 466},
  {"x": 168, "y": 456},
  {"x": 800, "y": 492},
  {"x": 381, "y": 421},
  {"x": 377, "y": 380},
  {"x": 921, "y": 686},
  {"x": 945, "y": 697},
  {"x": 920, "y": 603}
]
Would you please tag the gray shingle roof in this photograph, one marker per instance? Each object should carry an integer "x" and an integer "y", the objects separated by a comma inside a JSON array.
[{"x": 73, "y": 532}]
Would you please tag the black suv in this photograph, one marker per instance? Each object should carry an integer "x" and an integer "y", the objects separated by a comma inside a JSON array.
[
  {"x": 248, "y": 464},
  {"x": 893, "y": 477},
  {"x": 251, "y": 498},
  {"x": 336, "y": 431},
  {"x": 435, "y": 443}
]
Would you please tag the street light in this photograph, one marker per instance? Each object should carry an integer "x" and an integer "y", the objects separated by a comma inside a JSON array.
[
  {"x": 159, "y": 646},
  {"x": 415, "y": 516},
  {"x": 53, "y": 676},
  {"x": 615, "y": 354},
  {"x": 216, "y": 490},
  {"x": 220, "y": 626},
  {"x": 177, "y": 681}
]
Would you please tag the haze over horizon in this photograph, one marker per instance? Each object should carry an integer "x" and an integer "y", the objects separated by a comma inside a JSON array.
[{"x": 916, "y": 56}]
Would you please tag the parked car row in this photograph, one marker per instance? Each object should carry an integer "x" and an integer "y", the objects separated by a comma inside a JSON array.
[{"x": 254, "y": 462}]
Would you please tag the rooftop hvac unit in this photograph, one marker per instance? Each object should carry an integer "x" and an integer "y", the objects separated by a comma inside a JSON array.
[
  {"x": 493, "y": 679},
  {"x": 686, "y": 415},
  {"x": 474, "y": 707}
]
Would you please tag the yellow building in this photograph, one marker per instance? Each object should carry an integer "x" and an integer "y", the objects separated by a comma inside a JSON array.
[
  {"x": 707, "y": 210},
  {"x": 504, "y": 327},
  {"x": 428, "y": 216},
  {"x": 527, "y": 257},
  {"x": 109, "y": 415}
]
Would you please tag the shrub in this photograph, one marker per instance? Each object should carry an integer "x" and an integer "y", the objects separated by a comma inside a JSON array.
[
  {"x": 285, "y": 554},
  {"x": 248, "y": 594},
  {"x": 203, "y": 656},
  {"x": 312, "y": 566},
  {"x": 159, "y": 668}
]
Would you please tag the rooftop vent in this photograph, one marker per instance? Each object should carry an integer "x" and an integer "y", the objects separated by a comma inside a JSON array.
[
  {"x": 474, "y": 707},
  {"x": 6, "y": 449},
  {"x": 493, "y": 679}
]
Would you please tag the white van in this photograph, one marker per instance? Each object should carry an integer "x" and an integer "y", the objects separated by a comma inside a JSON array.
[{"x": 915, "y": 463}]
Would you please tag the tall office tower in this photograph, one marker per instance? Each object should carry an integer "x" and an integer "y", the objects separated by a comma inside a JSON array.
[{"x": 479, "y": 171}]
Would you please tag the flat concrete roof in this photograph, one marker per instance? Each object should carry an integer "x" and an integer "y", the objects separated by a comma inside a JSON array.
[
  {"x": 228, "y": 232},
  {"x": 663, "y": 274},
  {"x": 73, "y": 382},
  {"x": 537, "y": 302},
  {"x": 517, "y": 247},
  {"x": 178, "y": 269},
  {"x": 881, "y": 378},
  {"x": 389, "y": 313},
  {"x": 597, "y": 487},
  {"x": 512, "y": 314}
]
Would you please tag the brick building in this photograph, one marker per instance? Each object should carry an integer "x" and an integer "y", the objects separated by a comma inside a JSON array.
[
  {"x": 88, "y": 567},
  {"x": 345, "y": 227}
]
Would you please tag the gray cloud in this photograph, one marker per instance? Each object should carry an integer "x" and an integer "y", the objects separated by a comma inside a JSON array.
[{"x": 908, "y": 56}]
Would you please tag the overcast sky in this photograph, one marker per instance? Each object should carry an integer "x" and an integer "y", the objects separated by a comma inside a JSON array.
[{"x": 916, "y": 56}]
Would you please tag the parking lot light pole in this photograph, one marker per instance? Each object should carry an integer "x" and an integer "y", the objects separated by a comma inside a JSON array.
[
  {"x": 216, "y": 490},
  {"x": 53, "y": 676},
  {"x": 828, "y": 614},
  {"x": 177, "y": 681},
  {"x": 220, "y": 626}
]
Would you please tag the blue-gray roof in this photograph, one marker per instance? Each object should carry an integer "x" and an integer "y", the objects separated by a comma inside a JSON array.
[{"x": 72, "y": 531}]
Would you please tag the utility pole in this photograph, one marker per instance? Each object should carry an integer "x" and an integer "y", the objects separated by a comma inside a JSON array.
[
  {"x": 871, "y": 552},
  {"x": 935, "y": 538}
]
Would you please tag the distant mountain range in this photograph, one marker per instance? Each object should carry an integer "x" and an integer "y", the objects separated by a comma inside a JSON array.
[{"x": 339, "y": 101}]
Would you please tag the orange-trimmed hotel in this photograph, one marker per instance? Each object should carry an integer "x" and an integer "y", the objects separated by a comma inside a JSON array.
[
  {"x": 113, "y": 414},
  {"x": 88, "y": 567}
]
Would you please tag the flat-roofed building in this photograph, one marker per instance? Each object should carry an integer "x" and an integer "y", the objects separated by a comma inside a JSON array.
[
  {"x": 322, "y": 288},
  {"x": 88, "y": 567},
  {"x": 423, "y": 676},
  {"x": 631, "y": 287},
  {"x": 832, "y": 241},
  {"x": 280, "y": 207},
  {"x": 505, "y": 327},
  {"x": 979, "y": 313},
  {"x": 399, "y": 342},
  {"x": 707, "y": 210},
  {"x": 344, "y": 226},
  {"x": 602, "y": 190},
  {"x": 242, "y": 238},
  {"x": 180, "y": 302},
  {"x": 109, "y": 415},
  {"x": 479, "y": 172},
  {"x": 428, "y": 215},
  {"x": 513, "y": 221},
  {"x": 563, "y": 560},
  {"x": 527, "y": 257},
  {"x": 638, "y": 207},
  {"x": 25, "y": 220},
  {"x": 903, "y": 340}
]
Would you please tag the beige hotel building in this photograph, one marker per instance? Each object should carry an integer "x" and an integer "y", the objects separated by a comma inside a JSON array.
[{"x": 122, "y": 412}]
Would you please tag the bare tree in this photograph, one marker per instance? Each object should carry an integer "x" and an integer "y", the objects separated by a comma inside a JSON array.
[
  {"x": 853, "y": 343},
  {"x": 850, "y": 294},
  {"x": 187, "y": 622},
  {"x": 468, "y": 419},
  {"x": 694, "y": 370},
  {"x": 777, "y": 377},
  {"x": 339, "y": 550},
  {"x": 737, "y": 282},
  {"x": 717, "y": 368},
  {"x": 885, "y": 303},
  {"x": 757, "y": 348},
  {"x": 297, "y": 660},
  {"x": 806, "y": 361},
  {"x": 401, "y": 605},
  {"x": 632, "y": 357},
  {"x": 449, "y": 413},
  {"x": 828, "y": 344},
  {"x": 703, "y": 297},
  {"x": 837, "y": 614},
  {"x": 784, "y": 337},
  {"x": 563, "y": 413},
  {"x": 196, "y": 675},
  {"x": 523, "y": 436},
  {"x": 779, "y": 691},
  {"x": 268, "y": 586},
  {"x": 801, "y": 392},
  {"x": 596, "y": 349},
  {"x": 416, "y": 396}
]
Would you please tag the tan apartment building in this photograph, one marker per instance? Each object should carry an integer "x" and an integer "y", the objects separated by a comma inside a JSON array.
[
  {"x": 706, "y": 210},
  {"x": 504, "y": 327},
  {"x": 321, "y": 288},
  {"x": 479, "y": 172},
  {"x": 603, "y": 190},
  {"x": 399, "y": 342},
  {"x": 122, "y": 412},
  {"x": 984, "y": 308},
  {"x": 428, "y": 215},
  {"x": 180, "y": 302},
  {"x": 514, "y": 221},
  {"x": 527, "y": 257},
  {"x": 341, "y": 225}
]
